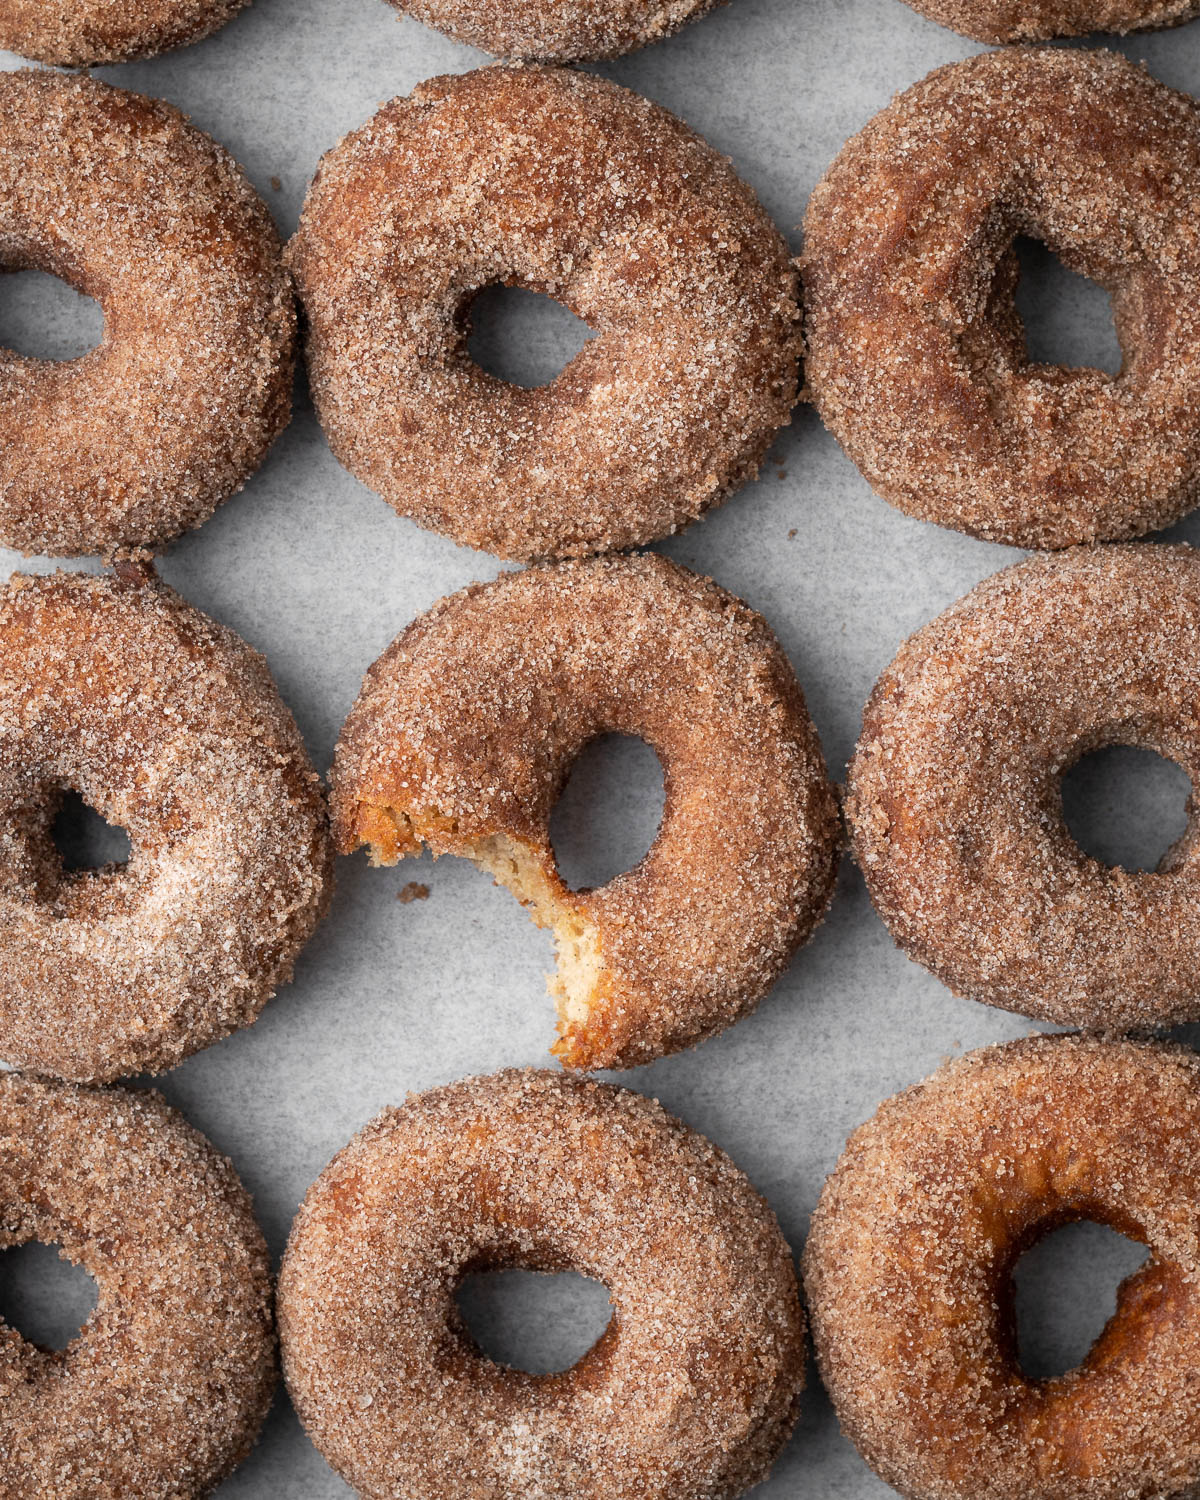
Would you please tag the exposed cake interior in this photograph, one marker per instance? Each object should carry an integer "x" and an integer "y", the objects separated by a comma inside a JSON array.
[{"x": 578, "y": 985}]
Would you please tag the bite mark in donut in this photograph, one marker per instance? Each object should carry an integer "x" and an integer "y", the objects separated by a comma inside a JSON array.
[{"x": 467, "y": 727}]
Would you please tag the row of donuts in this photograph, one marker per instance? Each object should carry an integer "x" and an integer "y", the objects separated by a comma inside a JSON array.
[
  {"x": 84, "y": 33},
  {"x": 694, "y": 1388},
  {"x": 569, "y": 185},
  {"x": 463, "y": 735}
]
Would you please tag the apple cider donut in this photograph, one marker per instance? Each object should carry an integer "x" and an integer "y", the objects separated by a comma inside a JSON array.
[
  {"x": 85, "y": 33},
  {"x": 465, "y": 732},
  {"x": 909, "y": 1263},
  {"x": 163, "y": 1390},
  {"x": 997, "y": 21},
  {"x": 689, "y": 1394},
  {"x": 954, "y": 793},
  {"x": 568, "y": 185},
  {"x": 554, "y": 31},
  {"x": 170, "y": 727},
  {"x": 144, "y": 436},
  {"x": 916, "y": 352}
]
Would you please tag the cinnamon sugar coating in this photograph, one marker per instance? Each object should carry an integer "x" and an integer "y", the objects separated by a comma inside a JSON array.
[
  {"x": 465, "y": 732},
  {"x": 917, "y": 359},
  {"x": 570, "y": 186},
  {"x": 170, "y": 727},
  {"x": 144, "y": 436},
  {"x": 162, "y": 1392},
  {"x": 84, "y": 33},
  {"x": 556, "y": 30},
  {"x": 908, "y": 1265},
  {"x": 689, "y": 1394},
  {"x": 954, "y": 793},
  {"x": 1039, "y": 20}
]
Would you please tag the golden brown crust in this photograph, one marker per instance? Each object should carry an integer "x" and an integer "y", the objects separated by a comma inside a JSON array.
[
  {"x": 690, "y": 1393},
  {"x": 954, "y": 801},
  {"x": 85, "y": 33},
  {"x": 569, "y": 185},
  {"x": 467, "y": 727},
  {"x": 908, "y": 1262},
  {"x": 170, "y": 727},
  {"x": 996, "y": 21},
  {"x": 556, "y": 30},
  {"x": 144, "y": 436},
  {"x": 917, "y": 359},
  {"x": 162, "y": 1392}
]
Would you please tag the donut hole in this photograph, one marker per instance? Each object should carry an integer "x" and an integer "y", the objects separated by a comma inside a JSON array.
[
  {"x": 84, "y": 839},
  {"x": 521, "y": 336},
  {"x": 43, "y": 1295},
  {"x": 537, "y": 1321},
  {"x": 45, "y": 317},
  {"x": 1065, "y": 1291},
  {"x": 1067, "y": 319},
  {"x": 609, "y": 812},
  {"x": 1126, "y": 806}
]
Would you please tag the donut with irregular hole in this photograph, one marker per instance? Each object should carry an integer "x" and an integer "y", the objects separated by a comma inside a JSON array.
[
  {"x": 689, "y": 1394},
  {"x": 916, "y": 353},
  {"x": 170, "y": 727},
  {"x": 568, "y": 185},
  {"x": 141, "y": 438},
  {"x": 908, "y": 1268},
  {"x": 954, "y": 793},
  {"x": 85, "y": 33},
  {"x": 554, "y": 31},
  {"x": 466, "y": 729},
  {"x": 161, "y": 1393}
]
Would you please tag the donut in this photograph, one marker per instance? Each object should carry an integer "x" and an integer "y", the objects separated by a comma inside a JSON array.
[
  {"x": 169, "y": 726},
  {"x": 551, "y": 31},
  {"x": 85, "y": 33},
  {"x": 916, "y": 352},
  {"x": 954, "y": 792},
  {"x": 689, "y": 1394},
  {"x": 163, "y": 1390},
  {"x": 907, "y": 1273},
  {"x": 465, "y": 732},
  {"x": 122, "y": 449},
  {"x": 567, "y": 185},
  {"x": 996, "y": 21}
]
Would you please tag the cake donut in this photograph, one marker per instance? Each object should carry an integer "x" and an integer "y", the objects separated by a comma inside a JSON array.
[
  {"x": 689, "y": 1394},
  {"x": 85, "y": 33},
  {"x": 997, "y": 21},
  {"x": 954, "y": 792},
  {"x": 162, "y": 1392},
  {"x": 908, "y": 1265},
  {"x": 916, "y": 353},
  {"x": 465, "y": 732},
  {"x": 551, "y": 31},
  {"x": 170, "y": 727},
  {"x": 144, "y": 436},
  {"x": 571, "y": 186}
]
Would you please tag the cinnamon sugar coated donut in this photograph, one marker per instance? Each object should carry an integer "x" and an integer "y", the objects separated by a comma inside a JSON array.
[
  {"x": 917, "y": 360},
  {"x": 465, "y": 732},
  {"x": 82, "y": 33},
  {"x": 689, "y": 1394},
  {"x": 567, "y": 185},
  {"x": 556, "y": 30},
  {"x": 908, "y": 1267},
  {"x": 954, "y": 793},
  {"x": 1039, "y": 20},
  {"x": 145, "y": 435},
  {"x": 163, "y": 1390},
  {"x": 171, "y": 727}
]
